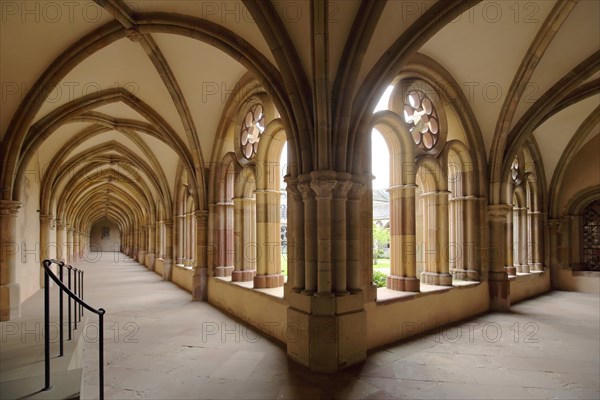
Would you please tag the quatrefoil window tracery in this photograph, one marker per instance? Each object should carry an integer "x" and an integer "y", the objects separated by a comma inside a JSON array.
[
  {"x": 421, "y": 115},
  {"x": 252, "y": 130}
]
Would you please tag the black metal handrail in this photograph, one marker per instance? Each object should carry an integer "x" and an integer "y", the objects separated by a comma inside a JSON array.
[{"x": 76, "y": 296}]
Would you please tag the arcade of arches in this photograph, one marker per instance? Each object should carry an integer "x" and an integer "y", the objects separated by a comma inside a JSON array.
[{"x": 157, "y": 129}]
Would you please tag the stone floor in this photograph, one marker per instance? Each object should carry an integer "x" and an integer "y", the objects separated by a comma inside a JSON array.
[{"x": 161, "y": 345}]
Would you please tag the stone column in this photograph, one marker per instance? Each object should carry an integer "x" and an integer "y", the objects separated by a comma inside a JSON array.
[
  {"x": 229, "y": 250},
  {"x": 168, "y": 260},
  {"x": 142, "y": 245},
  {"x": 499, "y": 285},
  {"x": 403, "y": 254},
  {"x": 353, "y": 236},
  {"x": 249, "y": 235},
  {"x": 160, "y": 239},
  {"x": 466, "y": 240},
  {"x": 76, "y": 246},
  {"x": 46, "y": 247},
  {"x": 189, "y": 244},
  {"x": 200, "y": 278},
  {"x": 323, "y": 184},
  {"x": 69, "y": 258},
  {"x": 523, "y": 266},
  {"x": 471, "y": 237},
  {"x": 10, "y": 290},
  {"x": 510, "y": 264},
  {"x": 268, "y": 231},
  {"x": 536, "y": 247},
  {"x": 179, "y": 239},
  {"x": 151, "y": 256},
  {"x": 339, "y": 234},
  {"x": 554, "y": 262},
  {"x": 295, "y": 236},
  {"x": 435, "y": 214},
  {"x": 575, "y": 247},
  {"x": 61, "y": 241},
  {"x": 225, "y": 239},
  {"x": 238, "y": 239},
  {"x": 310, "y": 235}
]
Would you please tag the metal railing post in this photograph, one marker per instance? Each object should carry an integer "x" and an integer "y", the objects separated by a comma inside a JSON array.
[
  {"x": 75, "y": 292},
  {"x": 101, "y": 351},
  {"x": 77, "y": 296},
  {"x": 46, "y": 331},
  {"x": 61, "y": 321},
  {"x": 80, "y": 291},
  {"x": 69, "y": 268}
]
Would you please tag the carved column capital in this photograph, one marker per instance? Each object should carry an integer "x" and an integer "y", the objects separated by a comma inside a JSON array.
[
  {"x": 344, "y": 184},
  {"x": 47, "y": 219},
  {"x": 553, "y": 223},
  {"x": 498, "y": 212},
  {"x": 305, "y": 188},
  {"x": 201, "y": 218},
  {"x": 9, "y": 207},
  {"x": 323, "y": 183}
]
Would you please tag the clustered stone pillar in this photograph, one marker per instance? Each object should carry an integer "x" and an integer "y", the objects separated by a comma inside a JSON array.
[
  {"x": 499, "y": 285},
  {"x": 327, "y": 301},
  {"x": 10, "y": 290},
  {"x": 403, "y": 254},
  {"x": 200, "y": 277},
  {"x": 168, "y": 259}
]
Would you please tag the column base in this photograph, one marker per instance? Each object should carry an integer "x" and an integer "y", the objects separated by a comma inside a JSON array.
[
  {"x": 465, "y": 274},
  {"x": 538, "y": 267},
  {"x": 150, "y": 260},
  {"x": 268, "y": 281},
  {"x": 523, "y": 268},
  {"x": 327, "y": 343},
  {"x": 10, "y": 302},
  {"x": 499, "y": 287},
  {"x": 510, "y": 270},
  {"x": 200, "y": 284},
  {"x": 403, "y": 283},
  {"x": 167, "y": 270},
  {"x": 141, "y": 257},
  {"x": 437, "y": 279},
  {"x": 243, "y": 276},
  {"x": 223, "y": 271},
  {"x": 188, "y": 262}
]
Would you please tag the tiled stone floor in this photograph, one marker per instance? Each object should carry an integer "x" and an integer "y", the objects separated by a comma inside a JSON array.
[{"x": 158, "y": 346}]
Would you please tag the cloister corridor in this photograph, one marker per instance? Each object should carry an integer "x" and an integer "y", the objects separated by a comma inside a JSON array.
[{"x": 159, "y": 344}]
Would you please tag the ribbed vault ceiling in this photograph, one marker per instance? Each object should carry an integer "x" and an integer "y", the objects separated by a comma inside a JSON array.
[{"x": 164, "y": 93}]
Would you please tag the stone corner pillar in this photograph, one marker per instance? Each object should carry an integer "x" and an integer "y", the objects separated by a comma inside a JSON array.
[
  {"x": 10, "y": 290},
  {"x": 327, "y": 317},
  {"x": 499, "y": 285}
]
